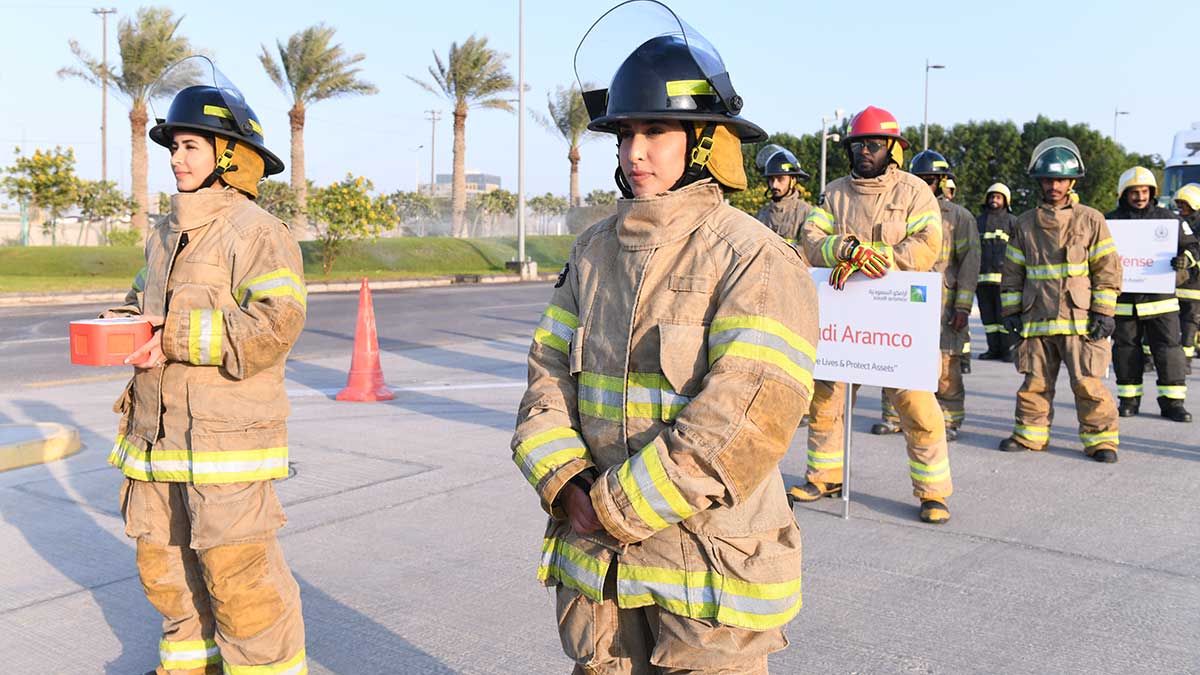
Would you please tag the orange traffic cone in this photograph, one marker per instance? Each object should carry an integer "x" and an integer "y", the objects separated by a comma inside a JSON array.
[{"x": 366, "y": 377}]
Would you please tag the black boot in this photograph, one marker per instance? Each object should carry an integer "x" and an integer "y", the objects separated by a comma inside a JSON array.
[
  {"x": 1011, "y": 445},
  {"x": 991, "y": 355},
  {"x": 1106, "y": 456},
  {"x": 1172, "y": 409},
  {"x": 964, "y": 364},
  {"x": 1128, "y": 406},
  {"x": 884, "y": 428}
]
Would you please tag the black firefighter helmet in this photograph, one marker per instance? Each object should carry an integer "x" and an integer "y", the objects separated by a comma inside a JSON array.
[
  {"x": 205, "y": 109},
  {"x": 676, "y": 74},
  {"x": 775, "y": 160},
  {"x": 930, "y": 163}
]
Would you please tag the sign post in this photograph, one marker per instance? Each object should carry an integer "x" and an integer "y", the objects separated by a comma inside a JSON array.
[
  {"x": 1145, "y": 248},
  {"x": 878, "y": 332}
]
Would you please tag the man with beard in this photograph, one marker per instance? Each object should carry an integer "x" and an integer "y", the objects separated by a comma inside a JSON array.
[{"x": 786, "y": 211}]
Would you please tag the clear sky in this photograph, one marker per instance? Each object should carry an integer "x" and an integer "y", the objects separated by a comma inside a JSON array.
[{"x": 791, "y": 61}]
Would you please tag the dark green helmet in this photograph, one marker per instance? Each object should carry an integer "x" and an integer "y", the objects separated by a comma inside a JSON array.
[
  {"x": 209, "y": 109},
  {"x": 930, "y": 163},
  {"x": 1056, "y": 158},
  {"x": 775, "y": 160}
]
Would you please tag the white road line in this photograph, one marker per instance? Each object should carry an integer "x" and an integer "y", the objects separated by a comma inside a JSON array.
[
  {"x": 505, "y": 384},
  {"x": 35, "y": 340}
]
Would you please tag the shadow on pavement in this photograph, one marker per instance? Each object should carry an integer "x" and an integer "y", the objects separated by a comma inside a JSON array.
[
  {"x": 346, "y": 641},
  {"x": 70, "y": 540},
  {"x": 432, "y": 354}
]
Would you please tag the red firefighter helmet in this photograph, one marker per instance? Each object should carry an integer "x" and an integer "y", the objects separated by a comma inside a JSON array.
[{"x": 876, "y": 122}]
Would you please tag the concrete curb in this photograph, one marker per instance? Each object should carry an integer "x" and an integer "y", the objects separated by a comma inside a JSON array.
[
  {"x": 37, "y": 443},
  {"x": 94, "y": 297}
]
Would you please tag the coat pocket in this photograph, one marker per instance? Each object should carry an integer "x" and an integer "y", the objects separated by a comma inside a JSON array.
[
  {"x": 575, "y": 353},
  {"x": 1095, "y": 357},
  {"x": 760, "y": 577},
  {"x": 892, "y": 226},
  {"x": 683, "y": 356}
]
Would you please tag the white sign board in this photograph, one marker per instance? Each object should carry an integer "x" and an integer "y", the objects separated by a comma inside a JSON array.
[
  {"x": 1146, "y": 248},
  {"x": 880, "y": 332}
]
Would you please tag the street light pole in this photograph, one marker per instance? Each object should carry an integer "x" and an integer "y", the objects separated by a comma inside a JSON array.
[
  {"x": 825, "y": 136},
  {"x": 103, "y": 14},
  {"x": 925, "y": 121},
  {"x": 523, "y": 269},
  {"x": 1117, "y": 112}
]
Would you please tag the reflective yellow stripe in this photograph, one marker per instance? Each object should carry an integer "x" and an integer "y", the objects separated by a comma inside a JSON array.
[
  {"x": 762, "y": 339},
  {"x": 829, "y": 251},
  {"x": 1010, "y": 299},
  {"x": 689, "y": 88},
  {"x": 708, "y": 594},
  {"x": 297, "y": 665},
  {"x": 826, "y": 460},
  {"x": 651, "y": 396},
  {"x": 650, "y": 492},
  {"x": 1055, "y": 327},
  {"x": 544, "y": 452},
  {"x": 1057, "y": 270},
  {"x": 573, "y": 567},
  {"x": 1175, "y": 391},
  {"x": 963, "y": 296},
  {"x": 206, "y": 327},
  {"x": 919, "y": 221},
  {"x": 989, "y": 278},
  {"x": 1187, "y": 293},
  {"x": 1130, "y": 390},
  {"x": 821, "y": 219},
  {"x": 1090, "y": 440},
  {"x": 139, "y": 280},
  {"x": 556, "y": 328},
  {"x": 930, "y": 473},
  {"x": 996, "y": 234},
  {"x": 199, "y": 466},
  {"x": 601, "y": 396},
  {"x": 224, "y": 113},
  {"x": 188, "y": 654},
  {"x": 1014, "y": 254},
  {"x": 1157, "y": 307},
  {"x": 1102, "y": 297},
  {"x": 1032, "y": 433},
  {"x": 282, "y": 281},
  {"x": 1101, "y": 249}
]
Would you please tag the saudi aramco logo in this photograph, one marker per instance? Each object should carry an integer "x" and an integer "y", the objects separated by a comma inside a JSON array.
[{"x": 916, "y": 294}]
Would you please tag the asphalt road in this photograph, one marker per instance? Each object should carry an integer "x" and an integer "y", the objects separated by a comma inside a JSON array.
[{"x": 415, "y": 540}]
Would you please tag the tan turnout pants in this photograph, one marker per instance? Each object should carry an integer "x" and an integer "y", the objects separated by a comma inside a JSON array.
[
  {"x": 604, "y": 639},
  {"x": 924, "y": 433},
  {"x": 211, "y": 565},
  {"x": 951, "y": 395},
  {"x": 1039, "y": 359}
]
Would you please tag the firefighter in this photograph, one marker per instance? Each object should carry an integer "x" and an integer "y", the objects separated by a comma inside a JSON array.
[
  {"x": 1058, "y": 291},
  {"x": 202, "y": 435},
  {"x": 1187, "y": 200},
  {"x": 949, "y": 189},
  {"x": 995, "y": 224},
  {"x": 959, "y": 264},
  {"x": 666, "y": 379},
  {"x": 877, "y": 219},
  {"x": 1151, "y": 320},
  {"x": 786, "y": 211}
]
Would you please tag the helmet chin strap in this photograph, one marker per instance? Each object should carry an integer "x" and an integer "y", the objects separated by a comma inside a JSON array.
[{"x": 224, "y": 165}]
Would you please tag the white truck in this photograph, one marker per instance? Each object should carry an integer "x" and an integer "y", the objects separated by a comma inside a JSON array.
[{"x": 1184, "y": 165}]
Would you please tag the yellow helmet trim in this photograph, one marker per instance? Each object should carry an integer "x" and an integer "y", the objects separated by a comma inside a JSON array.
[
  {"x": 690, "y": 88},
  {"x": 223, "y": 113}
]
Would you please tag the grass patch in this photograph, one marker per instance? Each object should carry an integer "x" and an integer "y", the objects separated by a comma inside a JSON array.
[{"x": 85, "y": 268}]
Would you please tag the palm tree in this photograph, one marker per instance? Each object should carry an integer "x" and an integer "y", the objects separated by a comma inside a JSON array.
[
  {"x": 569, "y": 117},
  {"x": 472, "y": 76},
  {"x": 309, "y": 70},
  {"x": 149, "y": 45}
]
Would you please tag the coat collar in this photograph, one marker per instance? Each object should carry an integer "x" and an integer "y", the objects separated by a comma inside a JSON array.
[
  {"x": 877, "y": 185},
  {"x": 190, "y": 210},
  {"x": 651, "y": 222}
]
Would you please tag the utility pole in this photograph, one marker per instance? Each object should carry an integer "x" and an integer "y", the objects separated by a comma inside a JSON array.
[
  {"x": 925, "y": 122},
  {"x": 103, "y": 14},
  {"x": 1116, "y": 113},
  {"x": 434, "y": 117},
  {"x": 523, "y": 269},
  {"x": 825, "y": 138}
]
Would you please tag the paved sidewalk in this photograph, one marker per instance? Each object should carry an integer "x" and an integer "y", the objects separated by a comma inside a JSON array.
[{"x": 415, "y": 539}]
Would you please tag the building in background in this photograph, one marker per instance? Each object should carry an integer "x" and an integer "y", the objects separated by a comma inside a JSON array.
[{"x": 477, "y": 183}]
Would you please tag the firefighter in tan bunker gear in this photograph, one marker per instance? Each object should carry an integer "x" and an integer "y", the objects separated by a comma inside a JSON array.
[
  {"x": 876, "y": 219},
  {"x": 202, "y": 434},
  {"x": 1059, "y": 292},
  {"x": 786, "y": 211},
  {"x": 666, "y": 378}
]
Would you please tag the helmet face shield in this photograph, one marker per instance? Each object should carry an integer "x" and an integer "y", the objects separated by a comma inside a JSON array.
[
  {"x": 641, "y": 61},
  {"x": 776, "y": 160},
  {"x": 1056, "y": 157},
  {"x": 194, "y": 94}
]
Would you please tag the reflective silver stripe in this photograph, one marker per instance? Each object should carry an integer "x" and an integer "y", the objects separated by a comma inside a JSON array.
[
  {"x": 545, "y": 450},
  {"x": 204, "y": 338},
  {"x": 765, "y": 339},
  {"x": 601, "y": 396},
  {"x": 665, "y": 397},
  {"x": 556, "y": 327},
  {"x": 255, "y": 289}
]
